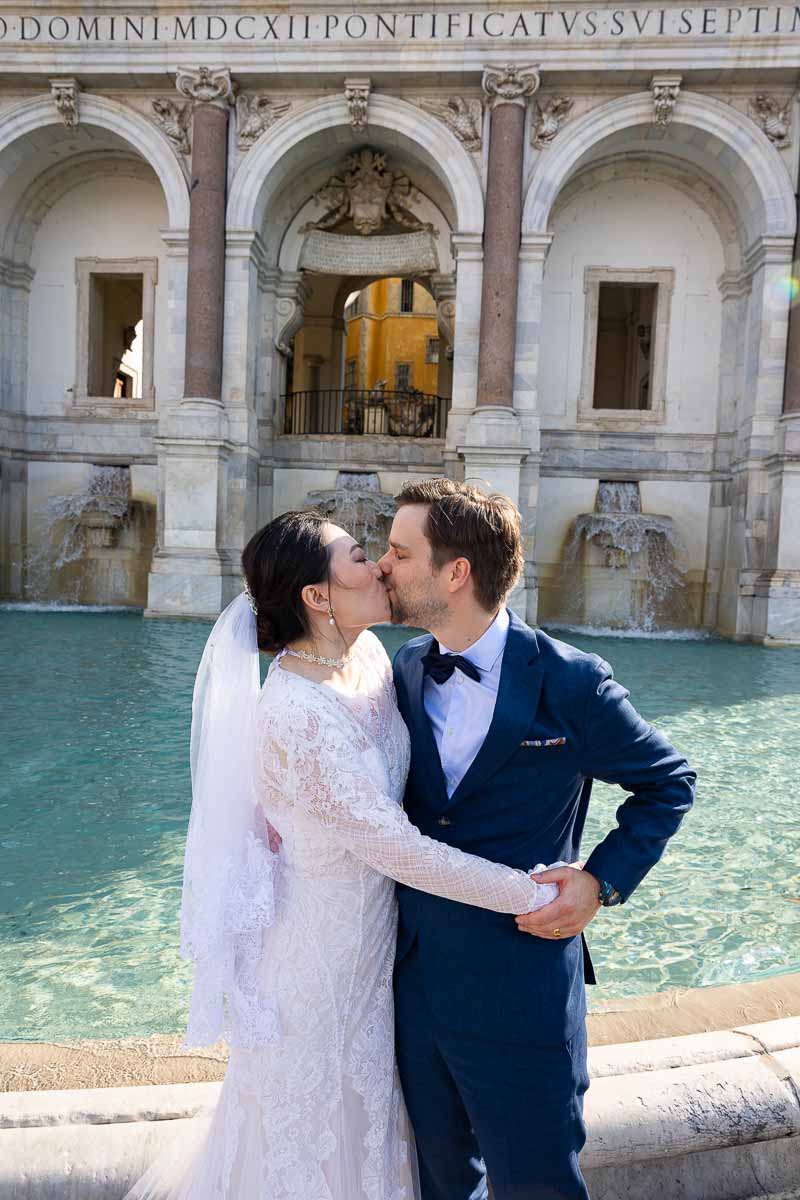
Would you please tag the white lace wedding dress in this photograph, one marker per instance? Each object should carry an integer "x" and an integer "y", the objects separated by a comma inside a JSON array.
[{"x": 319, "y": 1114}]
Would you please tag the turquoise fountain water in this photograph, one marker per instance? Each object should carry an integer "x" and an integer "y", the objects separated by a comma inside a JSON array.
[{"x": 94, "y": 801}]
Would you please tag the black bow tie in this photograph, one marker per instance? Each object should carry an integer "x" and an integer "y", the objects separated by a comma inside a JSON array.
[{"x": 441, "y": 666}]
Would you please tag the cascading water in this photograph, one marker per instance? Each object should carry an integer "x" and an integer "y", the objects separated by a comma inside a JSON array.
[
  {"x": 78, "y": 559},
  {"x": 359, "y": 506},
  {"x": 623, "y": 566}
]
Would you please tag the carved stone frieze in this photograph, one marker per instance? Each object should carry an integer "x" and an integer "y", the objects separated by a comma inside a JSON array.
[
  {"x": 510, "y": 84},
  {"x": 65, "y": 97},
  {"x": 775, "y": 119},
  {"x": 206, "y": 86},
  {"x": 548, "y": 118},
  {"x": 356, "y": 93},
  {"x": 368, "y": 194},
  {"x": 174, "y": 119},
  {"x": 462, "y": 116},
  {"x": 254, "y": 115},
  {"x": 665, "y": 89}
]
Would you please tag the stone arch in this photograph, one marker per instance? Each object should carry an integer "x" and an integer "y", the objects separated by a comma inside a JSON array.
[
  {"x": 706, "y": 132},
  {"x": 54, "y": 183},
  {"x": 280, "y": 150},
  {"x": 675, "y": 173},
  {"x": 128, "y": 127}
]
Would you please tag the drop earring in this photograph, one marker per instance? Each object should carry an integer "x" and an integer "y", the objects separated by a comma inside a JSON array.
[{"x": 331, "y": 618}]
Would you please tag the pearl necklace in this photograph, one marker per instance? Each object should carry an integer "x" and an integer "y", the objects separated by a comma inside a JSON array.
[{"x": 318, "y": 658}]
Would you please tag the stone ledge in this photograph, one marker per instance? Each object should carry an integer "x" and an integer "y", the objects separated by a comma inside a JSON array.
[{"x": 702, "y": 1117}]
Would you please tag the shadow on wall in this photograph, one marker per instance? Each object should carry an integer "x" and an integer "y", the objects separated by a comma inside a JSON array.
[{"x": 96, "y": 544}]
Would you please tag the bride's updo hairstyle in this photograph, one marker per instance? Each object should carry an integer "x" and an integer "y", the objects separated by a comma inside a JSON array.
[{"x": 280, "y": 560}]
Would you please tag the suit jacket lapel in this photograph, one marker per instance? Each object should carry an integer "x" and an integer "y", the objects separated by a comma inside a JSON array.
[
  {"x": 518, "y": 696},
  {"x": 423, "y": 743}
]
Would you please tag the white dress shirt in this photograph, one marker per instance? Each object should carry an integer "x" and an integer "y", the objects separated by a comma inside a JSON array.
[{"x": 460, "y": 710}]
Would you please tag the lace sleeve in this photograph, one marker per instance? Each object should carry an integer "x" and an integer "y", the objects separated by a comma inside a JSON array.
[{"x": 311, "y": 760}]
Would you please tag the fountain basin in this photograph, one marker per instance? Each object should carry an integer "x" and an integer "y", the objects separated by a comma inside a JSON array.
[{"x": 701, "y": 1116}]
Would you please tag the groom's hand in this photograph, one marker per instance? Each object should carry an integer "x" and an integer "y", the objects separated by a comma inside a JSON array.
[{"x": 575, "y": 906}]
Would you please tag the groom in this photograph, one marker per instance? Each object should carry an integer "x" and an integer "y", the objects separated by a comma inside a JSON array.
[{"x": 508, "y": 729}]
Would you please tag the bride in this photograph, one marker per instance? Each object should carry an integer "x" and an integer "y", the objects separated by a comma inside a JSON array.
[{"x": 288, "y": 910}]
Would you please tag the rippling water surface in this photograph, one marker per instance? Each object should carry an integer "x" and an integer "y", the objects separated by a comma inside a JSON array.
[{"x": 95, "y": 796}]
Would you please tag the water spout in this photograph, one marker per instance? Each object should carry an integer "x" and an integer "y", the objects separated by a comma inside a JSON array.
[
  {"x": 359, "y": 506},
  {"x": 623, "y": 566},
  {"x": 80, "y": 557}
]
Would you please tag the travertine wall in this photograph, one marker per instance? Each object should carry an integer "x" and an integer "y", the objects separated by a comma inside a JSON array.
[{"x": 678, "y": 175}]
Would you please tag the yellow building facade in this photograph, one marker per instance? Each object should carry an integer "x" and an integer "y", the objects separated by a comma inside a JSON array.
[{"x": 392, "y": 338}]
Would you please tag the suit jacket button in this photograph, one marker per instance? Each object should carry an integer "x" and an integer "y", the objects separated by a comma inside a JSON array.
[{"x": 444, "y": 821}]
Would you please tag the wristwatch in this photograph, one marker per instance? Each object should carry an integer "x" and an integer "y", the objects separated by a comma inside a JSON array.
[{"x": 608, "y": 894}]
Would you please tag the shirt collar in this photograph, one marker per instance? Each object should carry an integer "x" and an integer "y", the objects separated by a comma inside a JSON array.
[{"x": 489, "y": 646}]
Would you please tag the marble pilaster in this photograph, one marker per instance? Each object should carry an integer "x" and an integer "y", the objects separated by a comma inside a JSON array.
[
  {"x": 791, "y": 383},
  {"x": 757, "y": 508}
]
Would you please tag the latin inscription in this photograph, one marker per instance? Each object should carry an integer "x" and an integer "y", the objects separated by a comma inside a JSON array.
[{"x": 529, "y": 26}]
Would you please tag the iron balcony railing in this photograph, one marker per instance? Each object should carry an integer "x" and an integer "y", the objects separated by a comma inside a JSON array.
[{"x": 366, "y": 411}]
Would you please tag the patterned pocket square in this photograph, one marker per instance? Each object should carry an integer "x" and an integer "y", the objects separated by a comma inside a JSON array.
[{"x": 562, "y": 741}]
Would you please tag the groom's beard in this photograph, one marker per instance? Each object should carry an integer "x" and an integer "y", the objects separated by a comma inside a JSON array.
[{"x": 419, "y": 608}]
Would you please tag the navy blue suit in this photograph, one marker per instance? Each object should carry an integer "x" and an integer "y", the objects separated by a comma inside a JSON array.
[{"x": 491, "y": 1034}]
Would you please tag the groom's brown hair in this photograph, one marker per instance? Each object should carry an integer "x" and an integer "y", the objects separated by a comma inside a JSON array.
[{"x": 463, "y": 522}]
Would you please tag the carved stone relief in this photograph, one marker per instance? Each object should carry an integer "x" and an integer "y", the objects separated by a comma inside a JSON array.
[
  {"x": 356, "y": 93},
  {"x": 206, "y": 86},
  {"x": 665, "y": 89},
  {"x": 174, "y": 119},
  {"x": 774, "y": 119},
  {"x": 548, "y": 117},
  {"x": 462, "y": 116},
  {"x": 254, "y": 115},
  {"x": 510, "y": 84},
  {"x": 65, "y": 97},
  {"x": 444, "y": 292},
  {"x": 289, "y": 305},
  {"x": 368, "y": 194}
]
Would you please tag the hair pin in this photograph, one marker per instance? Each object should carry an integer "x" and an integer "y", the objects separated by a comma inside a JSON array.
[{"x": 250, "y": 598}]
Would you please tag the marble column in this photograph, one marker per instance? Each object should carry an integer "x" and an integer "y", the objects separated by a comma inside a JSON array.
[
  {"x": 195, "y": 570},
  {"x": 495, "y": 440},
  {"x": 211, "y": 94},
  {"x": 507, "y": 95}
]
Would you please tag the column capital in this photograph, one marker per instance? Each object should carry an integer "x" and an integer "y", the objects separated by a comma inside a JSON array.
[
  {"x": 733, "y": 284},
  {"x": 16, "y": 274},
  {"x": 467, "y": 246},
  {"x": 510, "y": 84},
  {"x": 534, "y": 247},
  {"x": 204, "y": 85},
  {"x": 768, "y": 251}
]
